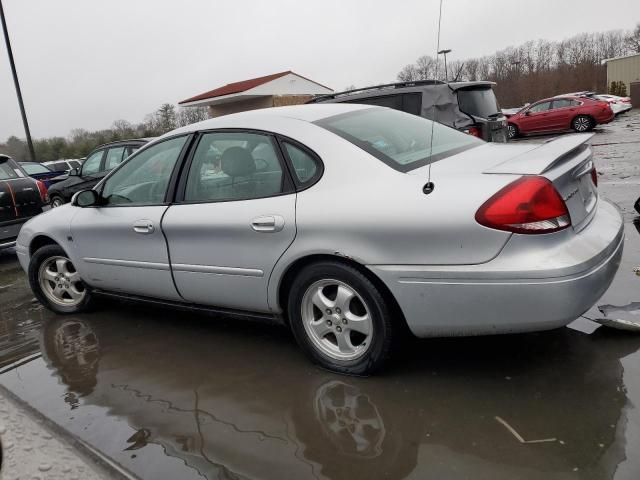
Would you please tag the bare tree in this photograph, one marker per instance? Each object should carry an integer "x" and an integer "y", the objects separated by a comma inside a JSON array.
[{"x": 632, "y": 41}]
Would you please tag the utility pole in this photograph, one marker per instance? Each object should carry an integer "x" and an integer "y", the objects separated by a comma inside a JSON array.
[
  {"x": 32, "y": 153},
  {"x": 442, "y": 52}
]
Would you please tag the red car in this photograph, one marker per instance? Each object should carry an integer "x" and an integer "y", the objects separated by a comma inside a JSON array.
[{"x": 559, "y": 113}]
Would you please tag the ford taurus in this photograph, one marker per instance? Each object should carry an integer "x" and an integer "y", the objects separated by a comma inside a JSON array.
[{"x": 352, "y": 223}]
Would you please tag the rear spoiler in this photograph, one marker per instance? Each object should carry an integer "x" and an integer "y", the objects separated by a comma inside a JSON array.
[{"x": 543, "y": 157}]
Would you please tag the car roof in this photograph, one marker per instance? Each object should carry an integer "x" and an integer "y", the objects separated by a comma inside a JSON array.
[
  {"x": 306, "y": 113},
  {"x": 141, "y": 141}
]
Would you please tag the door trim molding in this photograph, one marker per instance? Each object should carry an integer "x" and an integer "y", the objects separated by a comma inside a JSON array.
[
  {"x": 127, "y": 263},
  {"x": 244, "y": 272}
]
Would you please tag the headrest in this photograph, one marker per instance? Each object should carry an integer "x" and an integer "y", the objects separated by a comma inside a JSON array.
[{"x": 237, "y": 162}]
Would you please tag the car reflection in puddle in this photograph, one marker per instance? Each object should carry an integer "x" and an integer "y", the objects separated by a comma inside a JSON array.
[{"x": 235, "y": 400}]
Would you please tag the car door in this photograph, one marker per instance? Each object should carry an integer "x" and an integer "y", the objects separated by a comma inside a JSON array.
[
  {"x": 120, "y": 243},
  {"x": 561, "y": 113},
  {"x": 234, "y": 217},
  {"x": 535, "y": 118}
]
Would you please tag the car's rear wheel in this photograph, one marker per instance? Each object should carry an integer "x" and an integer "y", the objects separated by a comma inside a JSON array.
[
  {"x": 582, "y": 123},
  {"x": 340, "y": 318},
  {"x": 56, "y": 283},
  {"x": 56, "y": 201},
  {"x": 512, "y": 131}
]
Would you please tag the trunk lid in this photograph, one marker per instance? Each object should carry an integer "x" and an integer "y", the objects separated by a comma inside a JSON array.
[{"x": 566, "y": 161}]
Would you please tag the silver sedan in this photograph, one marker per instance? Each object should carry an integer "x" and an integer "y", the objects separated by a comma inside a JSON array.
[{"x": 351, "y": 223}]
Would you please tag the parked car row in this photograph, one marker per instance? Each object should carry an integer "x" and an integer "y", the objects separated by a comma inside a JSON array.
[{"x": 21, "y": 198}]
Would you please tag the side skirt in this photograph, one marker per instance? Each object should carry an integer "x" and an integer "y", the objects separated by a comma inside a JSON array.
[{"x": 227, "y": 312}]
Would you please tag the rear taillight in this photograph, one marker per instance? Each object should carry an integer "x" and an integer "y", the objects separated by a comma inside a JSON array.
[
  {"x": 594, "y": 176},
  {"x": 42, "y": 188},
  {"x": 528, "y": 205},
  {"x": 475, "y": 131}
]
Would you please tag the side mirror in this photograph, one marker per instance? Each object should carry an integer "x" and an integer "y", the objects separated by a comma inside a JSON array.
[
  {"x": 527, "y": 113},
  {"x": 85, "y": 198},
  {"x": 74, "y": 172}
]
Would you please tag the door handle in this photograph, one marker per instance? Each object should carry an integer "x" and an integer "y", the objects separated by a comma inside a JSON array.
[
  {"x": 268, "y": 223},
  {"x": 144, "y": 227}
]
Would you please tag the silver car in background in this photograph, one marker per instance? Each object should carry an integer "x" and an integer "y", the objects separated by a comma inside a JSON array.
[{"x": 352, "y": 223}]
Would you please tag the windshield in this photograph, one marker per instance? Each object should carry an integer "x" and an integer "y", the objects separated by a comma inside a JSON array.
[
  {"x": 35, "y": 168},
  {"x": 479, "y": 102},
  {"x": 401, "y": 140}
]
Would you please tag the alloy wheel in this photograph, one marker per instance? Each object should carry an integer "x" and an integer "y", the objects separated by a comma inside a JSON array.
[
  {"x": 337, "y": 320},
  {"x": 582, "y": 124},
  {"x": 60, "y": 282},
  {"x": 56, "y": 202}
]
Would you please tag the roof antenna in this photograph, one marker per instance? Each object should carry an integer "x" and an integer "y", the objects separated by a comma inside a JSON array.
[{"x": 429, "y": 186}]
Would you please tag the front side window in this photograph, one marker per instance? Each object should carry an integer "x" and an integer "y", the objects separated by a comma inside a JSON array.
[
  {"x": 114, "y": 158},
  {"x": 144, "y": 179},
  {"x": 304, "y": 165},
  {"x": 234, "y": 166},
  {"x": 401, "y": 140},
  {"x": 92, "y": 165},
  {"x": 540, "y": 107}
]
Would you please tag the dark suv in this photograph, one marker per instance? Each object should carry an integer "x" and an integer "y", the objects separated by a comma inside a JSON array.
[
  {"x": 98, "y": 163},
  {"x": 21, "y": 197},
  {"x": 470, "y": 107}
]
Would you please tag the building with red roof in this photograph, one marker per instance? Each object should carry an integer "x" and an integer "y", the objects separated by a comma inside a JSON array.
[{"x": 278, "y": 89}]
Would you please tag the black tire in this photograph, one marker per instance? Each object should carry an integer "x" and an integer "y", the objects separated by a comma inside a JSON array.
[
  {"x": 582, "y": 123},
  {"x": 383, "y": 331},
  {"x": 38, "y": 258},
  {"x": 512, "y": 131},
  {"x": 54, "y": 199}
]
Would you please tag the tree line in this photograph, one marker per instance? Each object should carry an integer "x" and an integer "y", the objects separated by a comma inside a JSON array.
[
  {"x": 536, "y": 69},
  {"x": 80, "y": 141}
]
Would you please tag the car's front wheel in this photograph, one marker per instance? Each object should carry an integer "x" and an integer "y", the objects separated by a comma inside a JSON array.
[
  {"x": 56, "y": 283},
  {"x": 56, "y": 201},
  {"x": 340, "y": 318},
  {"x": 512, "y": 131},
  {"x": 582, "y": 123}
]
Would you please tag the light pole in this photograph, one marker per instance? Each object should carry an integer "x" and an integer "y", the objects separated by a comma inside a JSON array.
[
  {"x": 17, "y": 84},
  {"x": 444, "y": 52}
]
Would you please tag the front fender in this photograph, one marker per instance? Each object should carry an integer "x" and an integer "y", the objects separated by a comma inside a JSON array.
[{"x": 54, "y": 224}]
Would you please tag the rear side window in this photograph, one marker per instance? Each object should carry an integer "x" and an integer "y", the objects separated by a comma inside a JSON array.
[
  {"x": 6, "y": 170},
  {"x": 234, "y": 166},
  {"x": 405, "y": 102},
  {"x": 304, "y": 165},
  {"x": 479, "y": 102},
  {"x": 400, "y": 140}
]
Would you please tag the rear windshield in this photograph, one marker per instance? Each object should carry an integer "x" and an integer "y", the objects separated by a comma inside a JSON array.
[
  {"x": 35, "y": 168},
  {"x": 479, "y": 102},
  {"x": 6, "y": 170},
  {"x": 401, "y": 140}
]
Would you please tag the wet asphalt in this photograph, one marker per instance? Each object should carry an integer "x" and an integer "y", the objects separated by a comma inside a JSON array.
[{"x": 168, "y": 394}]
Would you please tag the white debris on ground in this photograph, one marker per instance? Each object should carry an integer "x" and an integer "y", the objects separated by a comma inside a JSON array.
[{"x": 31, "y": 451}]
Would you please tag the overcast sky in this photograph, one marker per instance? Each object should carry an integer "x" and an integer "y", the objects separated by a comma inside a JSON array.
[{"x": 86, "y": 63}]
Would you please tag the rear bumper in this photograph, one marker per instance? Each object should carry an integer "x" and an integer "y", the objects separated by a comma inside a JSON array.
[{"x": 544, "y": 285}]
